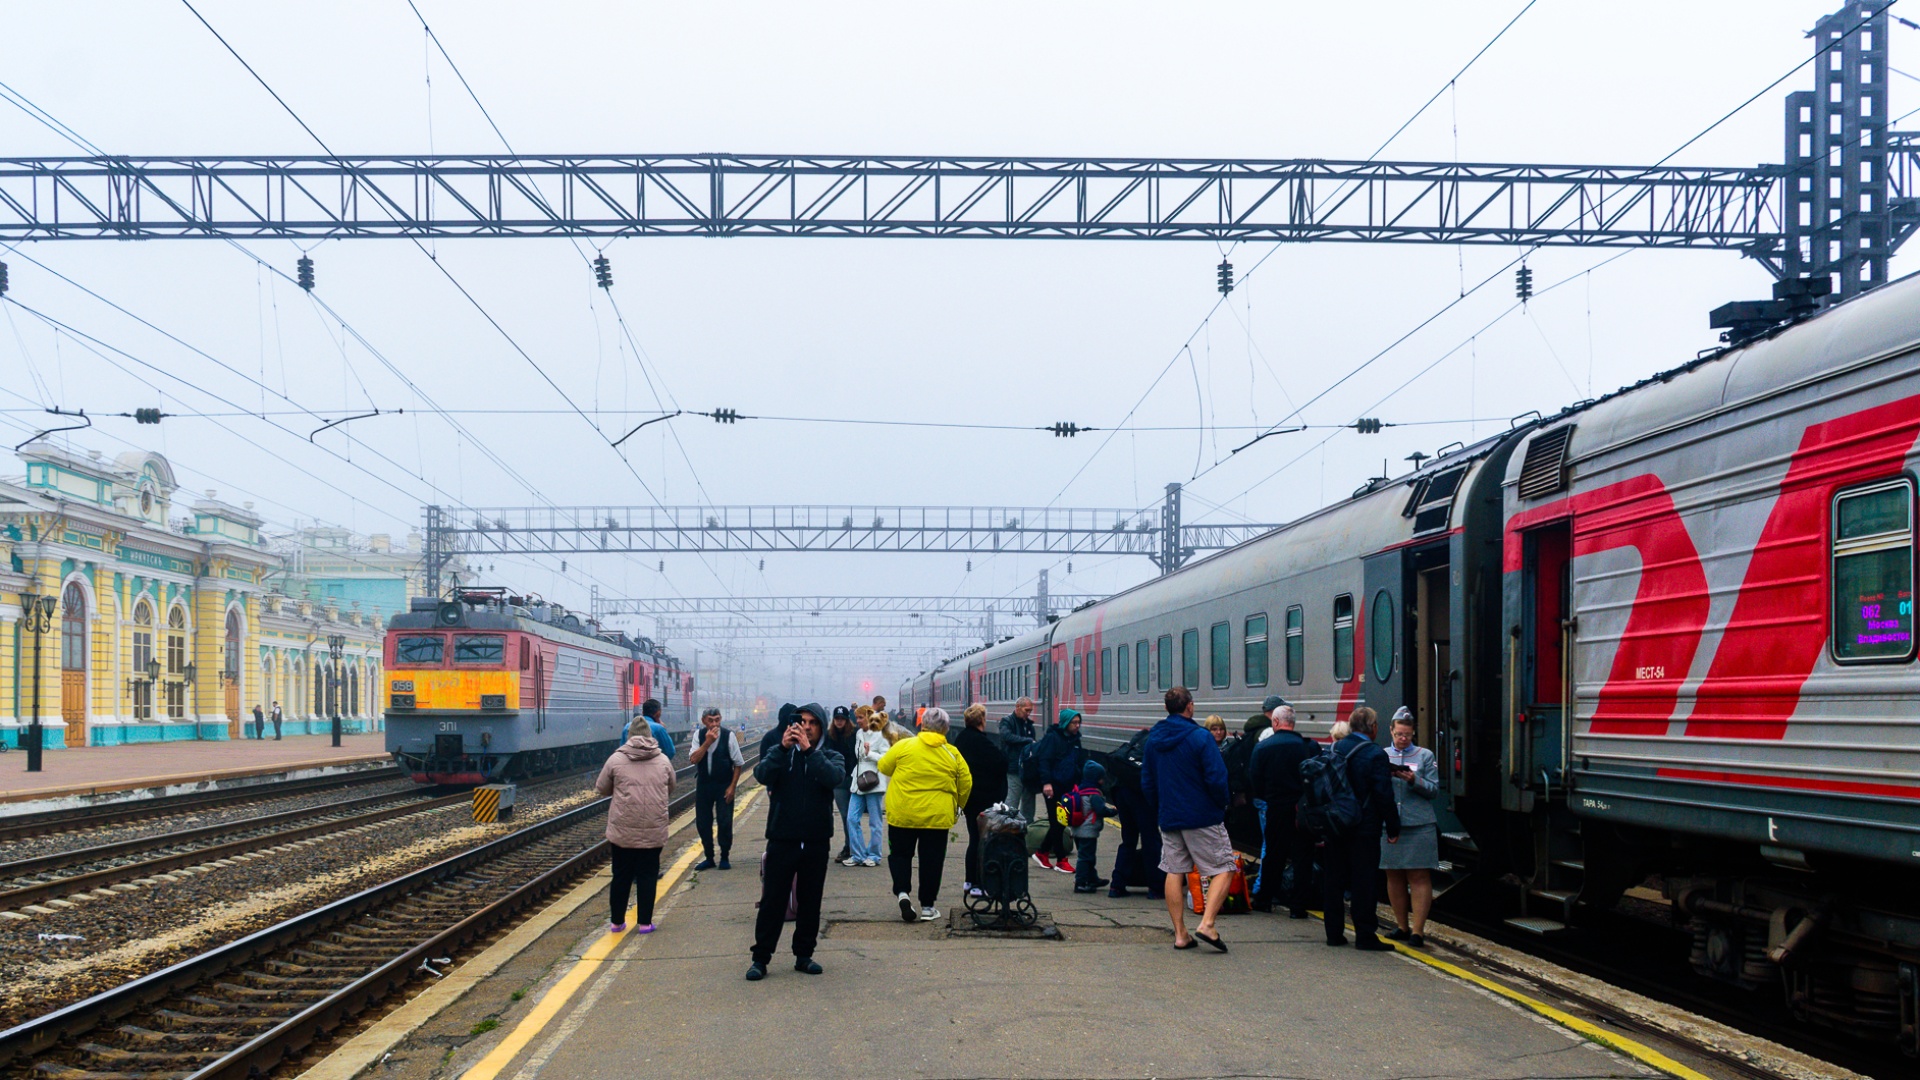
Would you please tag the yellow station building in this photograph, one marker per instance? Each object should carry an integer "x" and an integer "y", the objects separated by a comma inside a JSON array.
[{"x": 172, "y": 624}]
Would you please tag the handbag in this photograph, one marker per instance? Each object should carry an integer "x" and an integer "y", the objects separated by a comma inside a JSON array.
[{"x": 866, "y": 780}]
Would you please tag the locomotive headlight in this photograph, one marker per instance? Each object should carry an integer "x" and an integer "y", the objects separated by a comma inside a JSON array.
[
  {"x": 401, "y": 701},
  {"x": 493, "y": 701}
]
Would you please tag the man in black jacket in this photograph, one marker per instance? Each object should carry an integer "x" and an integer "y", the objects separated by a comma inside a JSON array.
[
  {"x": 800, "y": 776},
  {"x": 840, "y": 739},
  {"x": 1352, "y": 866},
  {"x": 1275, "y": 780},
  {"x": 1016, "y": 734}
]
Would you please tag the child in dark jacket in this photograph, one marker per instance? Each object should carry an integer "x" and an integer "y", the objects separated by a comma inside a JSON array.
[{"x": 1092, "y": 807}]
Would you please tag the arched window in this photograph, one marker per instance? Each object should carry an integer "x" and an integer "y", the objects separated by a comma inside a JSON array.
[
  {"x": 353, "y": 691},
  {"x": 73, "y": 628},
  {"x": 142, "y": 656},
  {"x": 231, "y": 664},
  {"x": 177, "y": 663},
  {"x": 319, "y": 690}
]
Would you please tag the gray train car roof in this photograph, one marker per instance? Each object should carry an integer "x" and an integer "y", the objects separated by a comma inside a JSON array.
[{"x": 1864, "y": 330}]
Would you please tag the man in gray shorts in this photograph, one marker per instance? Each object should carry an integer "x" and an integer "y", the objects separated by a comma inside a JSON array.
[{"x": 1185, "y": 780}]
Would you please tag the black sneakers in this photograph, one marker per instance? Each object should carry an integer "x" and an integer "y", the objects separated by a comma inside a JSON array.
[{"x": 805, "y": 966}]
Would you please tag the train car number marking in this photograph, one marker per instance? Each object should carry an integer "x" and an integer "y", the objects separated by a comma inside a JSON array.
[
  {"x": 1596, "y": 804},
  {"x": 449, "y": 725},
  {"x": 1651, "y": 671}
]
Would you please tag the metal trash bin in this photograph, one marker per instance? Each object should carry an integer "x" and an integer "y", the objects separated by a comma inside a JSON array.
[{"x": 1003, "y": 903}]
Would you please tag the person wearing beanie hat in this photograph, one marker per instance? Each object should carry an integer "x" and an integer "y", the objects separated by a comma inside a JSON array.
[
  {"x": 1055, "y": 768},
  {"x": 1086, "y": 808}
]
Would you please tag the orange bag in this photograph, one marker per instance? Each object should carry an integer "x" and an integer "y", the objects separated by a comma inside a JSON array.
[{"x": 1239, "y": 898}]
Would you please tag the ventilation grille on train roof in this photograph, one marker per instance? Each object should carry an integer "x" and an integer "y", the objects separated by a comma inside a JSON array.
[{"x": 1545, "y": 470}]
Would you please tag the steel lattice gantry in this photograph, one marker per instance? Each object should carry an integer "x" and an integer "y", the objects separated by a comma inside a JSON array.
[
  {"x": 581, "y": 530},
  {"x": 1018, "y": 607},
  {"x": 865, "y": 626},
  {"x": 315, "y": 198}
]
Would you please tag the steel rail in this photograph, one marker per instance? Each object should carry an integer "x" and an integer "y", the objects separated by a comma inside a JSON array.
[{"x": 26, "y": 826}]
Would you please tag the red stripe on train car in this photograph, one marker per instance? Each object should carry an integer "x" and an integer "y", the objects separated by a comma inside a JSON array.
[
  {"x": 1799, "y": 783},
  {"x": 1779, "y": 623}
]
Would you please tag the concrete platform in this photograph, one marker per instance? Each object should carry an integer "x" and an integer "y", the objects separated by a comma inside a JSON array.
[
  {"x": 83, "y": 774},
  {"x": 1111, "y": 999}
]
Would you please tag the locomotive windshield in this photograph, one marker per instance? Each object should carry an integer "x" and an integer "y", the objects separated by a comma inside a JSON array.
[
  {"x": 418, "y": 649},
  {"x": 479, "y": 649},
  {"x": 1873, "y": 573}
]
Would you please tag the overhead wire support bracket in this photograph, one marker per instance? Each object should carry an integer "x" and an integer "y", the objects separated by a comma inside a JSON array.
[
  {"x": 58, "y": 411},
  {"x": 1266, "y": 434},
  {"x": 347, "y": 419},
  {"x": 644, "y": 423}
]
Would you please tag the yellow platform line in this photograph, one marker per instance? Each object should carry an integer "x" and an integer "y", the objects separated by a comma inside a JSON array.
[
  {"x": 1640, "y": 1052},
  {"x": 557, "y": 996}
]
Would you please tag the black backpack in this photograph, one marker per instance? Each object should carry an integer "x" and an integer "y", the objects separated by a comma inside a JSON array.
[{"x": 1328, "y": 808}]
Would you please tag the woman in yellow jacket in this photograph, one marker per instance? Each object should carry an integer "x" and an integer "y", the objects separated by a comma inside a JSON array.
[{"x": 928, "y": 784}]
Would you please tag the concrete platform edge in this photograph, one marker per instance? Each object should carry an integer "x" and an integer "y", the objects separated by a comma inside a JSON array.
[{"x": 161, "y": 784}]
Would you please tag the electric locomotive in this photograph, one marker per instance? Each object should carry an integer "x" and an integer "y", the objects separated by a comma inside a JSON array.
[{"x": 483, "y": 686}]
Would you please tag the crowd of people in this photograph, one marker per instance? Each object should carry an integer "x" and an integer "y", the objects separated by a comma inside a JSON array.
[{"x": 1186, "y": 794}]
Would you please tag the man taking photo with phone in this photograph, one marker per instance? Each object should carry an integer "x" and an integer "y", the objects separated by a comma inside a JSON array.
[{"x": 800, "y": 776}]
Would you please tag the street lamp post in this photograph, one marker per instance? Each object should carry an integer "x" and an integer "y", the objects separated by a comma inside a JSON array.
[
  {"x": 39, "y": 615},
  {"x": 336, "y": 645}
]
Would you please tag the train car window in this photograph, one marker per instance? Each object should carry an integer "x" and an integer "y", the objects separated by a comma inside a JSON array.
[
  {"x": 1873, "y": 573},
  {"x": 1076, "y": 674},
  {"x": 1141, "y": 662},
  {"x": 1220, "y": 653},
  {"x": 479, "y": 649},
  {"x": 417, "y": 649},
  {"x": 1343, "y": 638},
  {"x": 1106, "y": 671},
  {"x": 1190, "y": 658},
  {"x": 1163, "y": 659},
  {"x": 1256, "y": 650},
  {"x": 1296, "y": 645},
  {"x": 1122, "y": 670},
  {"x": 1380, "y": 635}
]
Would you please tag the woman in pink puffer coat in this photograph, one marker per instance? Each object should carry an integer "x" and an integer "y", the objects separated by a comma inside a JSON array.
[{"x": 640, "y": 779}]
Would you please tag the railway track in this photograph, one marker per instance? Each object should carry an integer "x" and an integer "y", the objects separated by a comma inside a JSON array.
[
  {"x": 26, "y": 826},
  {"x": 239, "y": 1010}
]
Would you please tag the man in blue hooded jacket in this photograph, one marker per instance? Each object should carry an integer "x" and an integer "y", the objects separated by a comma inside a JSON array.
[{"x": 1185, "y": 780}]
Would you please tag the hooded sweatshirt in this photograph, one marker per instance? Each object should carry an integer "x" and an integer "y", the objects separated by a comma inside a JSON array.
[
  {"x": 1094, "y": 805},
  {"x": 1184, "y": 776},
  {"x": 800, "y": 786},
  {"x": 931, "y": 782},
  {"x": 640, "y": 779},
  {"x": 1059, "y": 756}
]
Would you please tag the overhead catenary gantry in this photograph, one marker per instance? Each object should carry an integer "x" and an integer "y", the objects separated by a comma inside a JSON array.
[{"x": 1156, "y": 532}]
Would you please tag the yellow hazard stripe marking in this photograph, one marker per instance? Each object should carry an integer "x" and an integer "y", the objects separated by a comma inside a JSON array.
[
  {"x": 556, "y": 998},
  {"x": 1638, "y": 1051}
]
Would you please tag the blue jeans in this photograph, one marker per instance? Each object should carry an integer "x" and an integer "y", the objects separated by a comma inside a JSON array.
[
  {"x": 1261, "y": 805},
  {"x": 865, "y": 842}
]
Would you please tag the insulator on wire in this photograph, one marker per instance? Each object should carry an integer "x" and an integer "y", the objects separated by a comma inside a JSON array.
[
  {"x": 1367, "y": 425},
  {"x": 1065, "y": 429},
  {"x": 603, "y": 271},
  {"x": 3, "y": 279},
  {"x": 1523, "y": 283},
  {"x": 1226, "y": 277},
  {"x": 147, "y": 416},
  {"x": 726, "y": 416},
  {"x": 303, "y": 273}
]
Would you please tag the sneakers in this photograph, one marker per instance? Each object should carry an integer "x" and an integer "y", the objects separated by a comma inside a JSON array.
[
  {"x": 616, "y": 928},
  {"x": 871, "y": 862},
  {"x": 907, "y": 913},
  {"x": 805, "y": 966},
  {"x": 1086, "y": 888},
  {"x": 1043, "y": 859},
  {"x": 976, "y": 893},
  {"x": 705, "y": 864},
  {"x": 1063, "y": 865},
  {"x": 1118, "y": 893},
  {"x": 725, "y": 864},
  {"x": 756, "y": 971},
  {"x": 845, "y": 854},
  {"x": 851, "y": 861},
  {"x": 644, "y": 928},
  {"x": 1101, "y": 883},
  {"x": 929, "y": 914}
]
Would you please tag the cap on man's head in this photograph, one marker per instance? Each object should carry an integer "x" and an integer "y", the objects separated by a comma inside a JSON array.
[{"x": 1272, "y": 702}]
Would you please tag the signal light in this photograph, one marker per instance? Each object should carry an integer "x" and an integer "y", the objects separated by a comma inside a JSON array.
[
  {"x": 726, "y": 416},
  {"x": 303, "y": 273},
  {"x": 603, "y": 272},
  {"x": 1523, "y": 283},
  {"x": 1367, "y": 426},
  {"x": 1226, "y": 277},
  {"x": 1065, "y": 430},
  {"x": 147, "y": 416}
]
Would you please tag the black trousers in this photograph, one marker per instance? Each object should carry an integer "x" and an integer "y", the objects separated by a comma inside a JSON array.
[
  {"x": 1352, "y": 866},
  {"x": 707, "y": 806},
  {"x": 1287, "y": 846},
  {"x": 631, "y": 867},
  {"x": 932, "y": 845},
  {"x": 276, "y": 729},
  {"x": 793, "y": 866},
  {"x": 1055, "y": 843},
  {"x": 1138, "y": 860},
  {"x": 975, "y": 842}
]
